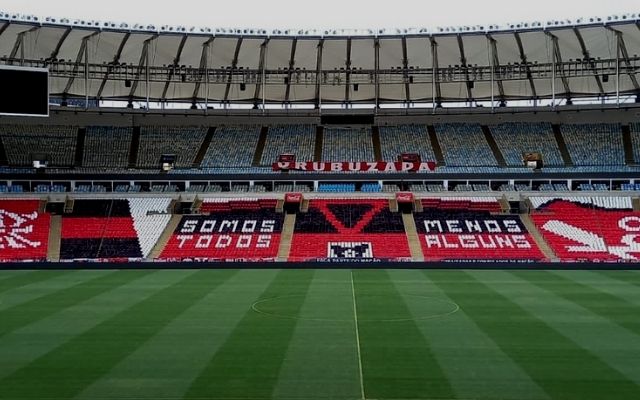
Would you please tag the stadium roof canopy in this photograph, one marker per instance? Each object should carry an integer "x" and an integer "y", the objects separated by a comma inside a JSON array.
[{"x": 105, "y": 61}]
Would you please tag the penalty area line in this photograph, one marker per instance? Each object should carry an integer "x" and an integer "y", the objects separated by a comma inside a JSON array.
[{"x": 355, "y": 319}]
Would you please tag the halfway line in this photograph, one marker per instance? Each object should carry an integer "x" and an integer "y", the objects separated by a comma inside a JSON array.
[{"x": 355, "y": 318}]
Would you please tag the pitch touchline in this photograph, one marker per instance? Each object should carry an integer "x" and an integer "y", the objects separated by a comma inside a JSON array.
[{"x": 355, "y": 318}]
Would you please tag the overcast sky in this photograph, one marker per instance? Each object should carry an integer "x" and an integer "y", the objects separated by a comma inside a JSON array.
[{"x": 270, "y": 14}]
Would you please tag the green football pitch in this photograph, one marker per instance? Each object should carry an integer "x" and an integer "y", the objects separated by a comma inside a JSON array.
[{"x": 319, "y": 334}]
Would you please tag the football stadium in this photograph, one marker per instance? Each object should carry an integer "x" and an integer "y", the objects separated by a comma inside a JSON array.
[{"x": 348, "y": 214}]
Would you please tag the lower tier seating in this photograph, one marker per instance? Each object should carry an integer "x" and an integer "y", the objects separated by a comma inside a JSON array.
[
  {"x": 24, "y": 231},
  {"x": 349, "y": 229},
  {"x": 234, "y": 230},
  {"x": 454, "y": 231},
  {"x": 589, "y": 229},
  {"x": 115, "y": 229}
]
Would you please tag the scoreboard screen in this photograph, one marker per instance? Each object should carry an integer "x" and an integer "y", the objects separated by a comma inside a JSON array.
[{"x": 24, "y": 91}]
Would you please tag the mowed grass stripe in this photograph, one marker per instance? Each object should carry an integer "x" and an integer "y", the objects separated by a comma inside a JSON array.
[
  {"x": 603, "y": 304},
  {"x": 70, "y": 368},
  {"x": 41, "y": 307},
  {"x": 614, "y": 287},
  {"x": 178, "y": 352},
  {"x": 19, "y": 280},
  {"x": 611, "y": 343},
  {"x": 321, "y": 360},
  {"x": 24, "y": 345},
  {"x": 563, "y": 369},
  {"x": 26, "y": 293},
  {"x": 248, "y": 364},
  {"x": 474, "y": 364},
  {"x": 631, "y": 277},
  {"x": 547, "y": 339},
  {"x": 397, "y": 361}
]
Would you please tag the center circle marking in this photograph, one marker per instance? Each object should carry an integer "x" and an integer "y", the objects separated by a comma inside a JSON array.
[{"x": 435, "y": 307}]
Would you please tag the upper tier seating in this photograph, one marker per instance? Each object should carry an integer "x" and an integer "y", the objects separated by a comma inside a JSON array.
[
  {"x": 349, "y": 229},
  {"x": 635, "y": 140},
  {"x": 594, "y": 144},
  {"x": 295, "y": 139},
  {"x": 336, "y": 187},
  {"x": 232, "y": 146},
  {"x": 347, "y": 144},
  {"x": 515, "y": 138},
  {"x": 464, "y": 145},
  {"x": 395, "y": 140},
  {"x": 230, "y": 229},
  {"x": 106, "y": 146},
  {"x": 589, "y": 228},
  {"x": 25, "y": 231},
  {"x": 183, "y": 141},
  {"x": 23, "y": 142},
  {"x": 456, "y": 229}
]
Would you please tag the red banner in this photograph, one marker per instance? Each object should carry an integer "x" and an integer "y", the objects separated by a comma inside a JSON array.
[
  {"x": 382, "y": 166},
  {"x": 404, "y": 197},
  {"x": 293, "y": 197}
]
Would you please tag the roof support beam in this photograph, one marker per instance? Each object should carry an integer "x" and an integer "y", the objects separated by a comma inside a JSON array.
[
  {"x": 79, "y": 60},
  {"x": 463, "y": 64},
  {"x": 144, "y": 62},
  {"x": 116, "y": 60},
  {"x": 437, "y": 95},
  {"x": 203, "y": 69},
  {"x": 19, "y": 44},
  {"x": 4, "y": 27},
  {"x": 56, "y": 50},
  {"x": 292, "y": 64},
  {"x": 523, "y": 59},
  {"x": 587, "y": 58},
  {"x": 625, "y": 56},
  {"x": 261, "y": 65},
  {"x": 174, "y": 66},
  {"x": 558, "y": 60},
  {"x": 496, "y": 65},
  {"x": 376, "y": 72},
  {"x": 234, "y": 65},
  {"x": 318, "y": 100},
  {"x": 347, "y": 86},
  {"x": 405, "y": 71}
]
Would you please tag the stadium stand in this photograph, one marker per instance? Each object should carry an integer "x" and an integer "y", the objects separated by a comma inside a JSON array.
[
  {"x": 295, "y": 139},
  {"x": 347, "y": 144},
  {"x": 113, "y": 229},
  {"x": 464, "y": 145},
  {"x": 25, "y": 231},
  {"x": 469, "y": 228},
  {"x": 56, "y": 143},
  {"x": 589, "y": 228},
  {"x": 395, "y": 140},
  {"x": 594, "y": 144},
  {"x": 230, "y": 229},
  {"x": 352, "y": 229},
  {"x": 182, "y": 141},
  {"x": 225, "y": 138},
  {"x": 516, "y": 138},
  {"x": 107, "y": 147}
]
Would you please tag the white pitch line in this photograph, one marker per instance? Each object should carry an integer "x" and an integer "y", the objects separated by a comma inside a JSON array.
[{"x": 355, "y": 318}]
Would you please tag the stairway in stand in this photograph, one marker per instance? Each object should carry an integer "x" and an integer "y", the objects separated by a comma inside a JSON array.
[
  {"x": 412, "y": 237},
  {"x": 537, "y": 237},
  {"x": 164, "y": 238},
  {"x": 55, "y": 229},
  {"x": 286, "y": 236}
]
